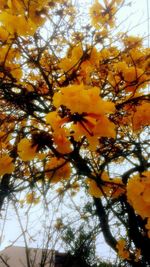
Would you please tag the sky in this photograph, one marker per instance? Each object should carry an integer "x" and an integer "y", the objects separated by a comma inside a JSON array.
[
  {"x": 135, "y": 17},
  {"x": 135, "y": 21}
]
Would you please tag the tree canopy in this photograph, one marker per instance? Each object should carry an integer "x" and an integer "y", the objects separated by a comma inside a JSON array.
[{"x": 74, "y": 111}]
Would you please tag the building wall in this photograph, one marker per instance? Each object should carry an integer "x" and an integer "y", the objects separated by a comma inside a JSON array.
[{"x": 16, "y": 257}]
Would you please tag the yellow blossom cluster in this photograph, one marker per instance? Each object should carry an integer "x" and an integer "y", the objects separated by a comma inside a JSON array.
[
  {"x": 11, "y": 56},
  {"x": 31, "y": 198},
  {"x": 103, "y": 15},
  {"x": 105, "y": 187},
  {"x": 128, "y": 71},
  {"x": 131, "y": 72},
  {"x": 87, "y": 112},
  {"x": 137, "y": 116},
  {"x": 26, "y": 150},
  {"x": 6, "y": 164},
  {"x": 124, "y": 252},
  {"x": 22, "y": 17},
  {"x": 122, "y": 249},
  {"x": 57, "y": 170},
  {"x": 138, "y": 193},
  {"x": 141, "y": 116},
  {"x": 127, "y": 77},
  {"x": 71, "y": 62}
]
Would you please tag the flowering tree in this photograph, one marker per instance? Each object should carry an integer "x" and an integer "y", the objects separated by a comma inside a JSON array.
[{"x": 74, "y": 112}]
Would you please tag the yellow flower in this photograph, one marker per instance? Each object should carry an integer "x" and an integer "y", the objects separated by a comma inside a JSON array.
[
  {"x": 103, "y": 15},
  {"x": 26, "y": 150},
  {"x": 17, "y": 24},
  {"x": 94, "y": 190},
  {"x": 81, "y": 99},
  {"x": 122, "y": 250},
  {"x": 141, "y": 116},
  {"x": 138, "y": 194},
  {"x": 6, "y": 165},
  {"x": 118, "y": 188},
  {"x": 95, "y": 13},
  {"x": 54, "y": 120},
  {"x": 71, "y": 62},
  {"x": 57, "y": 170},
  {"x": 132, "y": 41},
  {"x": 62, "y": 143},
  {"x": 134, "y": 78},
  {"x": 31, "y": 198},
  {"x": 93, "y": 127},
  {"x": 59, "y": 224},
  {"x": 137, "y": 255},
  {"x": 3, "y": 34},
  {"x": 86, "y": 113},
  {"x": 110, "y": 187},
  {"x": 16, "y": 72},
  {"x": 41, "y": 156}
]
